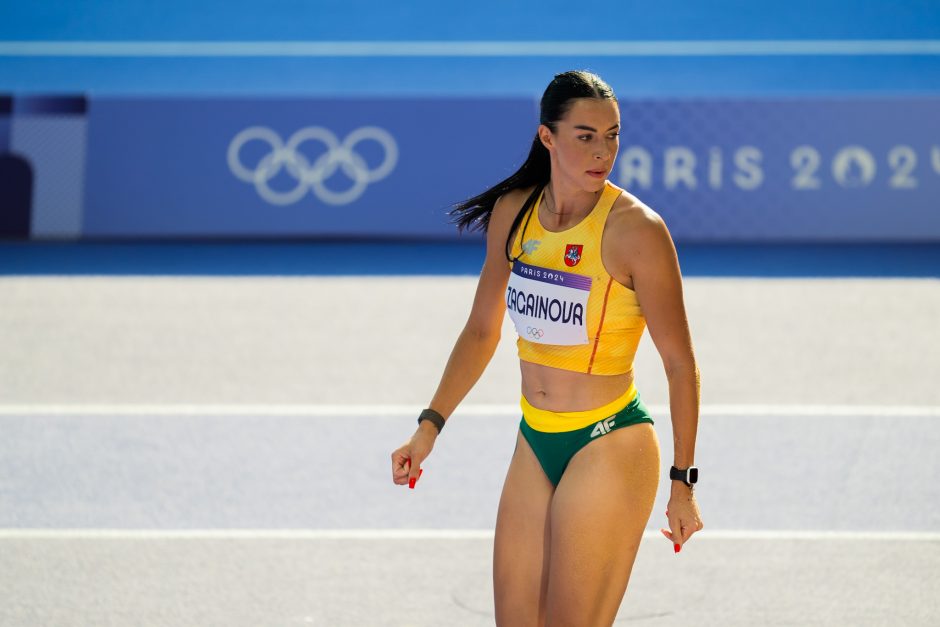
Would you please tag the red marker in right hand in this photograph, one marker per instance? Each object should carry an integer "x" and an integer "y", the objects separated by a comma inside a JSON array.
[
  {"x": 414, "y": 480},
  {"x": 676, "y": 548}
]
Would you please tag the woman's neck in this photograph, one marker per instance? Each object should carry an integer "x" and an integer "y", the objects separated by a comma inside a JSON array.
[{"x": 567, "y": 205}]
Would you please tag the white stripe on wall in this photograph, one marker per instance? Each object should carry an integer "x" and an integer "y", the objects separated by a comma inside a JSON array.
[{"x": 719, "y": 48}]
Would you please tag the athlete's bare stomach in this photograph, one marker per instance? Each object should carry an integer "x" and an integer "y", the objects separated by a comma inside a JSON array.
[{"x": 555, "y": 389}]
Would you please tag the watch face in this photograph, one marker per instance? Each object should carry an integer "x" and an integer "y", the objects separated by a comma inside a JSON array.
[{"x": 693, "y": 474}]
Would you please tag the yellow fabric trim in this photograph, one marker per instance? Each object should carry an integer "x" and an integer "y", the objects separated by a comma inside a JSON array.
[{"x": 557, "y": 422}]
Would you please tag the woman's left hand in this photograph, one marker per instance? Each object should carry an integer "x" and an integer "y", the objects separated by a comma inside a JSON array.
[{"x": 684, "y": 517}]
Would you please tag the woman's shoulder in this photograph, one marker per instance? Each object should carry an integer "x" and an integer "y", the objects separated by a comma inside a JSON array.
[
  {"x": 630, "y": 216},
  {"x": 513, "y": 199},
  {"x": 507, "y": 207}
]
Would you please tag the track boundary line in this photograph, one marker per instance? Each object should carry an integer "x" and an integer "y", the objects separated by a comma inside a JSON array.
[
  {"x": 427, "y": 534},
  {"x": 395, "y": 410}
]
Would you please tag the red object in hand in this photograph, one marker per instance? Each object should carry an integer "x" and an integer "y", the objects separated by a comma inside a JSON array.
[
  {"x": 414, "y": 480},
  {"x": 678, "y": 548}
]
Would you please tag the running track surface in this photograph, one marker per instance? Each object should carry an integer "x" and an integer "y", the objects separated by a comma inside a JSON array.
[{"x": 213, "y": 451}]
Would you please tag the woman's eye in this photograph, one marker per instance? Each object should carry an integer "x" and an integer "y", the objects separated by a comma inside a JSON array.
[
  {"x": 585, "y": 137},
  {"x": 615, "y": 136}
]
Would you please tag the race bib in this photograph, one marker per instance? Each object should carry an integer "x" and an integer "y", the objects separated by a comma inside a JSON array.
[{"x": 548, "y": 306}]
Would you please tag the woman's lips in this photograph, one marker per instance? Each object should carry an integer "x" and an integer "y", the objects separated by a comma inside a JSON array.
[{"x": 597, "y": 173}]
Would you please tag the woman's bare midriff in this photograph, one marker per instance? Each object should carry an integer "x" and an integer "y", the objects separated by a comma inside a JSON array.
[{"x": 555, "y": 389}]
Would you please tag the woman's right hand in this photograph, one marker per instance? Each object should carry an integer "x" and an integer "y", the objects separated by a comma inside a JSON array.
[{"x": 407, "y": 458}]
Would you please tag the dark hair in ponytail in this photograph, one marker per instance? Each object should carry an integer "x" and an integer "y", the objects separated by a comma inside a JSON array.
[{"x": 474, "y": 214}]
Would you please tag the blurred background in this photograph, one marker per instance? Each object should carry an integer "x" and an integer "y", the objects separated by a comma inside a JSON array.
[
  {"x": 228, "y": 285},
  {"x": 796, "y": 122}
]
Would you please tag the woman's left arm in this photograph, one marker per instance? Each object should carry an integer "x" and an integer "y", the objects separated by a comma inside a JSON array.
[{"x": 649, "y": 255}]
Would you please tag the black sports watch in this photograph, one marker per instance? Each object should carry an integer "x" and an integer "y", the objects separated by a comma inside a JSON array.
[{"x": 688, "y": 476}]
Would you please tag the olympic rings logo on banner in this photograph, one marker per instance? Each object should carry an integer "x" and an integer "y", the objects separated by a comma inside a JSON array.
[
  {"x": 311, "y": 176},
  {"x": 535, "y": 333}
]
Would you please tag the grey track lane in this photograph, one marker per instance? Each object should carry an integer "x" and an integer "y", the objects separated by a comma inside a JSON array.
[
  {"x": 380, "y": 340},
  {"x": 836, "y": 473},
  {"x": 251, "y": 472},
  {"x": 436, "y": 583},
  {"x": 314, "y": 473}
]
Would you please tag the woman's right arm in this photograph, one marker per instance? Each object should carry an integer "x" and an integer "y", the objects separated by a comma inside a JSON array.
[
  {"x": 476, "y": 343},
  {"x": 480, "y": 336}
]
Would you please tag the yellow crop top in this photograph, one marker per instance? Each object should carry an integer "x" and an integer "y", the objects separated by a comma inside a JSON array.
[{"x": 569, "y": 312}]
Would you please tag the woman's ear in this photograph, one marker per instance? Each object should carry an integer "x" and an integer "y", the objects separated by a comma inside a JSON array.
[{"x": 545, "y": 135}]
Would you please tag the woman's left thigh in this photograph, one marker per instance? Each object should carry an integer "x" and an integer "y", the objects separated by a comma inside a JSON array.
[{"x": 598, "y": 514}]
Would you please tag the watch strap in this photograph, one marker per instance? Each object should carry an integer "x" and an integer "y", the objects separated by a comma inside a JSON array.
[{"x": 688, "y": 476}]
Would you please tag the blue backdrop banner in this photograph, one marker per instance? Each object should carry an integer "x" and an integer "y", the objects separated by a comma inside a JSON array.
[
  {"x": 295, "y": 167},
  {"x": 851, "y": 170},
  {"x": 863, "y": 169}
]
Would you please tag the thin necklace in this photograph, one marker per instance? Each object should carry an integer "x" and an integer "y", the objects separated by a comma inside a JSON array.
[{"x": 559, "y": 213}]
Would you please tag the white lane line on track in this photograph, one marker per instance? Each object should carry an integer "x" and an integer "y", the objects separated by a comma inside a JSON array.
[
  {"x": 496, "y": 410},
  {"x": 693, "y": 48},
  {"x": 424, "y": 534}
]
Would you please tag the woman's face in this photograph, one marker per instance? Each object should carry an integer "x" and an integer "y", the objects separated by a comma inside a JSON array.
[{"x": 585, "y": 143}]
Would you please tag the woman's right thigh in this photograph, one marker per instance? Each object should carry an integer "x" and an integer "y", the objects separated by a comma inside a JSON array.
[{"x": 522, "y": 541}]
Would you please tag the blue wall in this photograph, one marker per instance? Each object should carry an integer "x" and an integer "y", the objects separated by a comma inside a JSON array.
[
  {"x": 728, "y": 147},
  {"x": 487, "y": 20}
]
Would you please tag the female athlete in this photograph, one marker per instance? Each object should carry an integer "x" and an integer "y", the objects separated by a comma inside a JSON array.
[{"x": 583, "y": 267}]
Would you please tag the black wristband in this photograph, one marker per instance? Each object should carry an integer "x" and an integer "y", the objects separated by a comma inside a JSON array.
[
  {"x": 434, "y": 417},
  {"x": 688, "y": 476}
]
